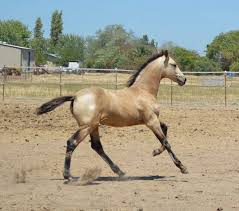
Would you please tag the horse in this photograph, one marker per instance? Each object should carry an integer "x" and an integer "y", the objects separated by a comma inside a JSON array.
[{"x": 134, "y": 105}]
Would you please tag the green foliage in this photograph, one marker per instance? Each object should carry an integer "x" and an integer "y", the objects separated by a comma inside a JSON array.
[
  {"x": 56, "y": 28},
  {"x": 38, "y": 33},
  {"x": 203, "y": 64},
  {"x": 185, "y": 58},
  {"x": 235, "y": 66},
  {"x": 39, "y": 44},
  {"x": 70, "y": 48},
  {"x": 190, "y": 61},
  {"x": 14, "y": 32},
  {"x": 224, "y": 49},
  {"x": 114, "y": 47}
]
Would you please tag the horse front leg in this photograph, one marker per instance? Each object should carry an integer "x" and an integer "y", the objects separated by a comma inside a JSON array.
[
  {"x": 162, "y": 148},
  {"x": 72, "y": 143},
  {"x": 152, "y": 123}
]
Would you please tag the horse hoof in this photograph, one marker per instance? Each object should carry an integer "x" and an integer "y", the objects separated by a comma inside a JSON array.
[
  {"x": 67, "y": 176},
  {"x": 121, "y": 174},
  {"x": 184, "y": 170},
  {"x": 154, "y": 153}
]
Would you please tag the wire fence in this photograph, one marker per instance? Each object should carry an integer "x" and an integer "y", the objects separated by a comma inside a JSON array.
[{"x": 202, "y": 88}]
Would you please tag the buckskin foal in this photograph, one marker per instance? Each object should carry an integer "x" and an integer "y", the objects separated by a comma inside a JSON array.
[{"x": 137, "y": 104}]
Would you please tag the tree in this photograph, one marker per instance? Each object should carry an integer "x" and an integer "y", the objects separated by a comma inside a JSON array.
[
  {"x": 235, "y": 66},
  {"x": 70, "y": 48},
  {"x": 38, "y": 33},
  {"x": 203, "y": 64},
  {"x": 56, "y": 28},
  {"x": 14, "y": 32},
  {"x": 107, "y": 49},
  {"x": 38, "y": 43},
  {"x": 185, "y": 58},
  {"x": 189, "y": 60},
  {"x": 115, "y": 47},
  {"x": 224, "y": 49}
]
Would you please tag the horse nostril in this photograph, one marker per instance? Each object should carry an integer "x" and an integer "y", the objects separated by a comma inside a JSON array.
[{"x": 185, "y": 80}]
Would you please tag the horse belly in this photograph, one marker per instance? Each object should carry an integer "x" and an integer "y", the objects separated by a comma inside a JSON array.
[{"x": 121, "y": 119}]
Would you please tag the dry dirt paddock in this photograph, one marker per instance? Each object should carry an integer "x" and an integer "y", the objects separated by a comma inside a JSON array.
[{"x": 32, "y": 151}]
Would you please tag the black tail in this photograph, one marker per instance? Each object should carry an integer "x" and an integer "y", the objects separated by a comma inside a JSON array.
[{"x": 52, "y": 104}]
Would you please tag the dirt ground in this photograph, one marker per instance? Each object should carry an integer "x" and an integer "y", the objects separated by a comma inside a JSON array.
[{"x": 32, "y": 151}]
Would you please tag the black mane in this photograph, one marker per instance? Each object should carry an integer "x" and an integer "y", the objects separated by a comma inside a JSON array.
[{"x": 134, "y": 76}]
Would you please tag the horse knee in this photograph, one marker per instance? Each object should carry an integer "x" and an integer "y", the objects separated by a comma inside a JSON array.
[
  {"x": 71, "y": 145},
  {"x": 164, "y": 128},
  {"x": 96, "y": 145}
]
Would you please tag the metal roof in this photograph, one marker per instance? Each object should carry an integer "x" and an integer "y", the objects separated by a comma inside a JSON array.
[{"x": 15, "y": 46}]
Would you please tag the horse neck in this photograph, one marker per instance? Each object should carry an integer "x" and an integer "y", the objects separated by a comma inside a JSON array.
[{"x": 149, "y": 79}]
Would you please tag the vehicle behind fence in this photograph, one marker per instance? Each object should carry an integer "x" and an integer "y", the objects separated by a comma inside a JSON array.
[{"x": 202, "y": 88}]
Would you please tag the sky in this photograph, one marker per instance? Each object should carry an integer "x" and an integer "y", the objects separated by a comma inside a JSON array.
[{"x": 188, "y": 23}]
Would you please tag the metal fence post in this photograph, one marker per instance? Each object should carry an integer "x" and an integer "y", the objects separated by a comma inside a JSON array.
[
  {"x": 60, "y": 83},
  {"x": 171, "y": 93},
  {"x": 3, "y": 84},
  {"x": 25, "y": 71},
  {"x": 31, "y": 75},
  {"x": 3, "y": 91},
  {"x": 116, "y": 78},
  {"x": 225, "y": 87}
]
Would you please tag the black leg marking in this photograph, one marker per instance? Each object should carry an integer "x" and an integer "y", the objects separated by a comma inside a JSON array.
[
  {"x": 71, "y": 145},
  {"x": 176, "y": 161},
  {"x": 97, "y": 146},
  {"x": 164, "y": 128}
]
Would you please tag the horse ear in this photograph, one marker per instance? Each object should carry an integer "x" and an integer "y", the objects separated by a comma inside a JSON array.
[{"x": 165, "y": 53}]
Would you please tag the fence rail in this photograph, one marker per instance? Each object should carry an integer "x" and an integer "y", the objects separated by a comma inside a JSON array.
[{"x": 202, "y": 88}]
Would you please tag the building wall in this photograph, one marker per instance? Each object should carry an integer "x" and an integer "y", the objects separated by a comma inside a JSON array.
[
  {"x": 10, "y": 56},
  {"x": 28, "y": 58}
]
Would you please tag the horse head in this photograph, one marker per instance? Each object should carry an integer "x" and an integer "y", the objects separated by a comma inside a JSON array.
[{"x": 172, "y": 71}]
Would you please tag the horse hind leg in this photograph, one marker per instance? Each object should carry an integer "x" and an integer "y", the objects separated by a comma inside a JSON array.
[
  {"x": 158, "y": 151},
  {"x": 72, "y": 143},
  {"x": 97, "y": 146}
]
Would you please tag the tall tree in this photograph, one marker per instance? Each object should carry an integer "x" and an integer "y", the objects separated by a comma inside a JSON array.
[
  {"x": 224, "y": 49},
  {"x": 189, "y": 60},
  {"x": 115, "y": 47},
  {"x": 56, "y": 28},
  {"x": 38, "y": 32},
  {"x": 70, "y": 48},
  {"x": 14, "y": 32},
  {"x": 38, "y": 43}
]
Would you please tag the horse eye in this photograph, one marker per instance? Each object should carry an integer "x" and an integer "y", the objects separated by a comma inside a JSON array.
[{"x": 174, "y": 65}]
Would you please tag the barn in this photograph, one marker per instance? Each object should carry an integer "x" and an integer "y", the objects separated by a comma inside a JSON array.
[{"x": 16, "y": 56}]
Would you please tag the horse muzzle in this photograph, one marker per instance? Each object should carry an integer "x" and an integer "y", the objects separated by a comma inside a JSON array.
[{"x": 181, "y": 81}]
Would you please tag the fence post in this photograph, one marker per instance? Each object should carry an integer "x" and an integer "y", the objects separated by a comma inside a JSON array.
[
  {"x": 60, "y": 83},
  {"x": 116, "y": 78},
  {"x": 171, "y": 93},
  {"x": 225, "y": 87},
  {"x": 3, "y": 91},
  {"x": 25, "y": 70},
  {"x": 3, "y": 84},
  {"x": 31, "y": 75}
]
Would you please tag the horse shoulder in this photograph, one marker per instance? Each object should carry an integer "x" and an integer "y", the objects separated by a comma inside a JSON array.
[{"x": 148, "y": 107}]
